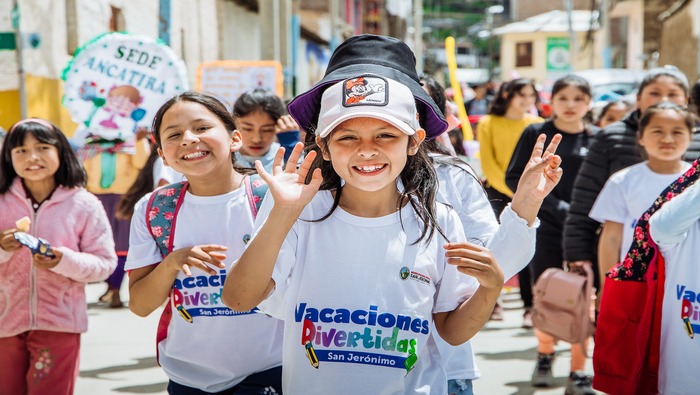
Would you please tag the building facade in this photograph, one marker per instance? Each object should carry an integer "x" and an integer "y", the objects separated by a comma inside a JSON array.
[
  {"x": 298, "y": 33},
  {"x": 53, "y": 30},
  {"x": 540, "y": 47}
]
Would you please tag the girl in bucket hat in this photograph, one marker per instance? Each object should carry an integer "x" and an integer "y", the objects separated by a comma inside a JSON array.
[
  {"x": 380, "y": 232},
  {"x": 370, "y": 54},
  {"x": 362, "y": 269}
]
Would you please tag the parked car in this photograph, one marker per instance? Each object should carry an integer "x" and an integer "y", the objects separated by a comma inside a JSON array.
[
  {"x": 606, "y": 85},
  {"x": 610, "y": 82}
]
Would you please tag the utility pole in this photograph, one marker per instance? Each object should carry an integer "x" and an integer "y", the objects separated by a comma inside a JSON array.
[
  {"x": 569, "y": 6},
  {"x": 269, "y": 12},
  {"x": 418, "y": 34},
  {"x": 490, "y": 12},
  {"x": 334, "y": 11},
  {"x": 164, "y": 21},
  {"x": 277, "y": 40},
  {"x": 296, "y": 40},
  {"x": 16, "y": 19},
  {"x": 604, "y": 17},
  {"x": 285, "y": 36}
]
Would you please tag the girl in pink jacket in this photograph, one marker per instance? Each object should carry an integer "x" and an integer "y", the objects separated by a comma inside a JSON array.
[{"x": 42, "y": 297}]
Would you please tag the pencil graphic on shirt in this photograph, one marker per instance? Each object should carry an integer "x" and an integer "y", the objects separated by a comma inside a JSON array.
[
  {"x": 177, "y": 302},
  {"x": 311, "y": 354},
  {"x": 410, "y": 362},
  {"x": 686, "y": 309}
]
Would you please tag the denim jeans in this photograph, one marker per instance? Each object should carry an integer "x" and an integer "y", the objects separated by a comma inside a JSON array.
[{"x": 460, "y": 387}]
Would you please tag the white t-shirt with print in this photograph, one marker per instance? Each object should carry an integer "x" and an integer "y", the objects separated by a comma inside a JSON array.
[
  {"x": 220, "y": 347},
  {"x": 627, "y": 195},
  {"x": 512, "y": 244},
  {"x": 676, "y": 230},
  {"x": 357, "y": 298}
]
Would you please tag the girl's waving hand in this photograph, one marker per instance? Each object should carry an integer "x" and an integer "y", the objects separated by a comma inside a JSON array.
[{"x": 288, "y": 186}]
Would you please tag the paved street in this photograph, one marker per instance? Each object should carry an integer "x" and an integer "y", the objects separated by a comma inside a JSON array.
[
  {"x": 118, "y": 353},
  {"x": 506, "y": 355}
]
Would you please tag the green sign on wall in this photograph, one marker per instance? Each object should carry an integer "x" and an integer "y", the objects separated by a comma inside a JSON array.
[
  {"x": 558, "y": 54},
  {"x": 7, "y": 41}
]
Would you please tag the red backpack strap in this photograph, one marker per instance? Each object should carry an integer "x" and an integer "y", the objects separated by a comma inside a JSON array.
[
  {"x": 161, "y": 214},
  {"x": 256, "y": 188},
  {"x": 635, "y": 264},
  {"x": 650, "y": 377},
  {"x": 161, "y": 217}
]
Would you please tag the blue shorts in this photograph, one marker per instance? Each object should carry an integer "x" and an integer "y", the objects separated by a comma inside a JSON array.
[
  {"x": 460, "y": 387},
  {"x": 268, "y": 382}
]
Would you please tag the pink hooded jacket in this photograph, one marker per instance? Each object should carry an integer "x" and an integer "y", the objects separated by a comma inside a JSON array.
[{"x": 74, "y": 222}]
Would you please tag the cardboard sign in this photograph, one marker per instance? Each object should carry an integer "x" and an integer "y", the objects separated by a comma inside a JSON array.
[{"x": 228, "y": 79}]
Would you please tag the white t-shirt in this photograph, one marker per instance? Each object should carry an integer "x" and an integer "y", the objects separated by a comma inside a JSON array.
[
  {"x": 357, "y": 298},
  {"x": 628, "y": 194},
  {"x": 220, "y": 347},
  {"x": 512, "y": 244},
  {"x": 676, "y": 230}
]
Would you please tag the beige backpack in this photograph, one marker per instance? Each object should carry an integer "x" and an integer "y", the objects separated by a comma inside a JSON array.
[{"x": 562, "y": 304}]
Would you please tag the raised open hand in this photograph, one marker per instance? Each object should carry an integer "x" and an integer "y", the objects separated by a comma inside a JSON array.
[
  {"x": 287, "y": 185},
  {"x": 542, "y": 172},
  {"x": 286, "y": 124}
]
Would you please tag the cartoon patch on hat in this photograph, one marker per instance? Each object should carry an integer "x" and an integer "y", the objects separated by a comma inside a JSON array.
[{"x": 367, "y": 90}]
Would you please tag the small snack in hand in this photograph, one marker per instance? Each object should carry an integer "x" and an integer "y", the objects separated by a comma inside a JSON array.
[
  {"x": 35, "y": 244},
  {"x": 23, "y": 223}
]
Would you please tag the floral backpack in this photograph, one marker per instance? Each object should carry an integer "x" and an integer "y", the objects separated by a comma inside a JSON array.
[
  {"x": 161, "y": 217},
  {"x": 627, "y": 337}
]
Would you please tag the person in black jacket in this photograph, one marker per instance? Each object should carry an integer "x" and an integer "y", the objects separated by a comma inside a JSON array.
[
  {"x": 613, "y": 149},
  {"x": 571, "y": 96}
]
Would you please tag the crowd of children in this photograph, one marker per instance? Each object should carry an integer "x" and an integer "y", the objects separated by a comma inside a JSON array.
[{"x": 371, "y": 201}]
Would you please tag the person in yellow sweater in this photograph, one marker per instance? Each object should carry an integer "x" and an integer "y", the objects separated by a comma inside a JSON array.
[
  {"x": 112, "y": 167},
  {"x": 498, "y": 134}
]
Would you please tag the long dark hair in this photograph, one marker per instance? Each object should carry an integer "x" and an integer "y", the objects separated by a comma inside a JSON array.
[
  {"x": 437, "y": 93},
  {"x": 583, "y": 86},
  {"x": 418, "y": 177},
  {"x": 435, "y": 90},
  {"x": 506, "y": 94},
  {"x": 258, "y": 100},
  {"x": 141, "y": 186},
  {"x": 441, "y": 155},
  {"x": 604, "y": 111},
  {"x": 671, "y": 72},
  {"x": 211, "y": 104},
  {"x": 687, "y": 115},
  {"x": 70, "y": 173},
  {"x": 572, "y": 80}
]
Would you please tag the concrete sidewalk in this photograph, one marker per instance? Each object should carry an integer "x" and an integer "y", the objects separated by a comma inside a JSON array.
[
  {"x": 506, "y": 355},
  {"x": 118, "y": 353}
]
